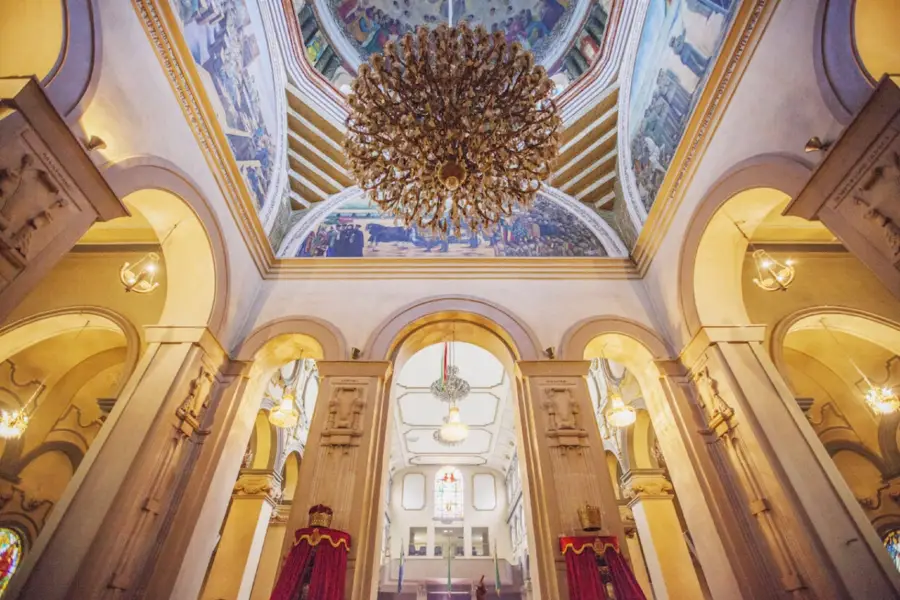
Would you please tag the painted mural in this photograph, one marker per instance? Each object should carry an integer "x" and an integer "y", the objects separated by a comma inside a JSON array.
[
  {"x": 227, "y": 41},
  {"x": 368, "y": 24},
  {"x": 680, "y": 42},
  {"x": 359, "y": 229}
]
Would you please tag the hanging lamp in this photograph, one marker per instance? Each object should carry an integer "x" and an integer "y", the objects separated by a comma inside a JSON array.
[
  {"x": 618, "y": 414},
  {"x": 881, "y": 399},
  {"x": 285, "y": 415},
  {"x": 772, "y": 275},
  {"x": 140, "y": 277}
]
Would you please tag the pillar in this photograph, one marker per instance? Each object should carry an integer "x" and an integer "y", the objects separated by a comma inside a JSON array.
[
  {"x": 563, "y": 457},
  {"x": 345, "y": 464},
  {"x": 668, "y": 559},
  {"x": 269, "y": 560},
  {"x": 797, "y": 508},
  {"x": 107, "y": 535},
  {"x": 50, "y": 191},
  {"x": 635, "y": 551},
  {"x": 255, "y": 494},
  {"x": 854, "y": 190}
]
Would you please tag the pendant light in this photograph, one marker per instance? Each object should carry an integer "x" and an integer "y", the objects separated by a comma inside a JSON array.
[
  {"x": 881, "y": 399},
  {"x": 618, "y": 414},
  {"x": 140, "y": 277},
  {"x": 286, "y": 415},
  {"x": 772, "y": 275}
]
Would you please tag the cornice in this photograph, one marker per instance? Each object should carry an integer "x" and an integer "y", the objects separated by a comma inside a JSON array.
[{"x": 738, "y": 47}]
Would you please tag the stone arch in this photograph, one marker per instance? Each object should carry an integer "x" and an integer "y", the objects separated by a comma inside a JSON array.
[
  {"x": 291, "y": 473},
  {"x": 207, "y": 263},
  {"x": 710, "y": 292},
  {"x": 329, "y": 338},
  {"x": 515, "y": 334}
]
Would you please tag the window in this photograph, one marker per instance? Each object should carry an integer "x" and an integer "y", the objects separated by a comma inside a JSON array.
[
  {"x": 484, "y": 492},
  {"x": 10, "y": 554},
  {"x": 418, "y": 541},
  {"x": 449, "y": 540},
  {"x": 892, "y": 543},
  {"x": 448, "y": 494},
  {"x": 481, "y": 545}
]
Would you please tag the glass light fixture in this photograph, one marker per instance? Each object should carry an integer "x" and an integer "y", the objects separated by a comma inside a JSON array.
[
  {"x": 12, "y": 425},
  {"x": 285, "y": 415},
  {"x": 772, "y": 275},
  {"x": 140, "y": 277},
  {"x": 453, "y": 431},
  {"x": 619, "y": 414}
]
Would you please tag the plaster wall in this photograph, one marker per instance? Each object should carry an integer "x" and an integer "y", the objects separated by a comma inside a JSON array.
[
  {"x": 495, "y": 520},
  {"x": 776, "y": 107},
  {"x": 31, "y": 36},
  {"x": 357, "y": 308},
  {"x": 136, "y": 112}
]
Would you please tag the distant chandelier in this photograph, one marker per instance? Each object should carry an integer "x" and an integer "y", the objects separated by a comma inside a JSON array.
[
  {"x": 449, "y": 387},
  {"x": 285, "y": 415},
  {"x": 453, "y": 432},
  {"x": 13, "y": 425},
  {"x": 452, "y": 126},
  {"x": 618, "y": 414}
]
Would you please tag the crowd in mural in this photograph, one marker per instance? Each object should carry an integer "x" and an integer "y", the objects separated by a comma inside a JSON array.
[{"x": 545, "y": 230}]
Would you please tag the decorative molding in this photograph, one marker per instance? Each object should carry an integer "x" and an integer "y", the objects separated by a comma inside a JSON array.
[
  {"x": 564, "y": 428},
  {"x": 258, "y": 483},
  {"x": 646, "y": 484},
  {"x": 343, "y": 427}
]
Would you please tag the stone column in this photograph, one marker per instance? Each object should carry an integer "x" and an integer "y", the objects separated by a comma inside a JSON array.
[
  {"x": 345, "y": 464},
  {"x": 270, "y": 559},
  {"x": 563, "y": 456},
  {"x": 668, "y": 559},
  {"x": 855, "y": 191},
  {"x": 796, "y": 505},
  {"x": 638, "y": 563},
  {"x": 107, "y": 535},
  {"x": 256, "y": 493},
  {"x": 50, "y": 191}
]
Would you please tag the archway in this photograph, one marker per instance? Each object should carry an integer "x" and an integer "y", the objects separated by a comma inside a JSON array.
[{"x": 833, "y": 358}]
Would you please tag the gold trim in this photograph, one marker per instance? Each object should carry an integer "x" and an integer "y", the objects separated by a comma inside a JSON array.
[
  {"x": 316, "y": 537},
  {"x": 596, "y": 546},
  {"x": 745, "y": 33}
]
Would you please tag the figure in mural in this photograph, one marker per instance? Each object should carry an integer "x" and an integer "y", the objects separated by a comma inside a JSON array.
[
  {"x": 679, "y": 43},
  {"x": 546, "y": 229}
]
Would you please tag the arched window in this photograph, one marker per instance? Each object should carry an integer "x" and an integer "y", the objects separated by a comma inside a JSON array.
[
  {"x": 892, "y": 543},
  {"x": 448, "y": 494},
  {"x": 10, "y": 555}
]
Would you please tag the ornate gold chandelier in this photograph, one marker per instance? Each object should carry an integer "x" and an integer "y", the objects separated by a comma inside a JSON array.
[{"x": 452, "y": 126}]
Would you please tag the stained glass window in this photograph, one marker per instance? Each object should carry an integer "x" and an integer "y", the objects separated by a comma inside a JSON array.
[
  {"x": 448, "y": 494},
  {"x": 892, "y": 543},
  {"x": 10, "y": 554}
]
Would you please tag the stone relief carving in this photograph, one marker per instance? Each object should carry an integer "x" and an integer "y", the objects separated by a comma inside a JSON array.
[
  {"x": 879, "y": 196},
  {"x": 30, "y": 203},
  {"x": 345, "y": 408},
  {"x": 252, "y": 483},
  {"x": 649, "y": 487},
  {"x": 717, "y": 410},
  {"x": 197, "y": 401},
  {"x": 563, "y": 418}
]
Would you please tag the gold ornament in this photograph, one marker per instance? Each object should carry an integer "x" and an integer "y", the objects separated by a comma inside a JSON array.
[
  {"x": 590, "y": 517},
  {"x": 451, "y": 126}
]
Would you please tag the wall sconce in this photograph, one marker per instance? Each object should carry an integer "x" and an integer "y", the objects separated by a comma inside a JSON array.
[
  {"x": 815, "y": 144},
  {"x": 140, "y": 277},
  {"x": 95, "y": 143}
]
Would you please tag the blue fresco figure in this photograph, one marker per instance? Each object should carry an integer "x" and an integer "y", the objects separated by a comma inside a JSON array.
[{"x": 690, "y": 56}]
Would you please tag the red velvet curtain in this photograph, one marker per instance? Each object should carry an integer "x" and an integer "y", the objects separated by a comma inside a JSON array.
[
  {"x": 623, "y": 581},
  {"x": 291, "y": 574},
  {"x": 329, "y": 573},
  {"x": 584, "y": 576}
]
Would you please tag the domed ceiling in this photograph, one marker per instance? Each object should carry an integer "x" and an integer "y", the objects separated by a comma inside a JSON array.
[{"x": 543, "y": 26}]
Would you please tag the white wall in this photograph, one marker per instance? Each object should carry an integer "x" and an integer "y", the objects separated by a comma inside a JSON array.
[{"x": 495, "y": 520}]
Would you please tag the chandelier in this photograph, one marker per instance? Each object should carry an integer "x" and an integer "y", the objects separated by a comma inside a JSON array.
[
  {"x": 453, "y": 432},
  {"x": 12, "y": 425},
  {"x": 140, "y": 277},
  {"x": 285, "y": 415},
  {"x": 771, "y": 275},
  {"x": 451, "y": 126},
  {"x": 618, "y": 414}
]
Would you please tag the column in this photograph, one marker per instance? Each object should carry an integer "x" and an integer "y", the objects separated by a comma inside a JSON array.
[
  {"x": 256, "y": 493},
  {"x": 108, "y": 534},
  {"x": 565, "y": 465},
  {"x": 668, "y": 559},
  {"x": 345, "y": 464},
  {"x": 638, "y": 563},
  {"x": 50, "y": 190},
  {"x": 796, "y": 506},
  {"x": 854, "y": 190},
  {"x": 270, "y": 559}
]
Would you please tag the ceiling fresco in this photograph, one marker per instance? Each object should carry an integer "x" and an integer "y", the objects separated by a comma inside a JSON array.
[
  {"x": 680, "y": 42},
  {"x": 357, "y": 228}
]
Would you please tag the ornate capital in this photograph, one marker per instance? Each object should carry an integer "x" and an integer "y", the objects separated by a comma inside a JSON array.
[
  {"x": 280, "y": 513},
  {"x": 258, "y": 483},
  {"x": 646, "y": 484}
]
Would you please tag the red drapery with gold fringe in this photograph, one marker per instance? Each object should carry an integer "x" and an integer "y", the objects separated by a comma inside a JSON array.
[
  {"x": 583, "y": 573},
  {"x": 328, "y": 549}
]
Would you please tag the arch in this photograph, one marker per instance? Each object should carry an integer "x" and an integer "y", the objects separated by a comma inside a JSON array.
[
  {"x": 265, "y": 442},
  {"x": 134, "y": 175},
  {"x": 290, "y": 474},
  {"x": 42, "y": 326},
  {"x": 73, "y": 454},
  {"x": 835, "y": 446},
  {"x": 522, "y": 343},
  {"x": 775, "y": 172},
  {"x": 327, "y": 338},
  {"x": 576, "y": 339}
]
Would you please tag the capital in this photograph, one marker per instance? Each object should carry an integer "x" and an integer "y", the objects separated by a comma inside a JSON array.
[
  {"x": 258, "y": 484},
  {"x": 646, "y": 484}
]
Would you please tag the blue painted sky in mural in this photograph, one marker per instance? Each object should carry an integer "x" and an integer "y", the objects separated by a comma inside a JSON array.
[
  {"x": 359, "y": 229},
  {"x": 680, "y": 42},
  {"x": 228, "y": 43}
]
